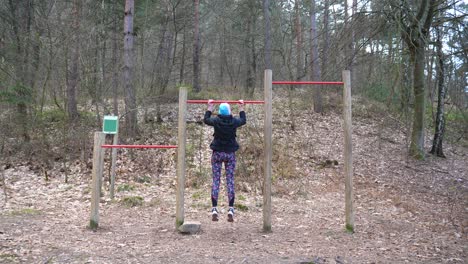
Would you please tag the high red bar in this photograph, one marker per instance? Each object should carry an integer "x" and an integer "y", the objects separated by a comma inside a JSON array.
[
  {"x": 139, "y": 146},
  {"x": 312, "y": 83},
  {"x": 223, "y": 101}
]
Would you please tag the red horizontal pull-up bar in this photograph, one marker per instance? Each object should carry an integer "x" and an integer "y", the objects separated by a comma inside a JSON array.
[
  {"x": 310, "y": 83},
  {"x": 223, "y": 101},
  {"x": 140, "y": 146}
]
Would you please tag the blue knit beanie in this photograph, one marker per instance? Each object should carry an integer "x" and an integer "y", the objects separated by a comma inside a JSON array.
[{"x": 224, "y": 109}]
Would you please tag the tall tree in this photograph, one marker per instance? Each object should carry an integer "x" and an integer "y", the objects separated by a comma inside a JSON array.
[
  {"x": 414, "y": 24},
  {"x": 314, "y": 57},
  {"x": 74, "y": 71},
  {"x": 437, "y": 148},
  {"x": 130, "y": 97},
  {"x": 298, "y": 29},
  {"x": 353, "y": 40},
  {"x": 196, "y": 47},
  {"x": 326, "y": 38},
  {"x": 250, "y": 9},
  {"x": 266, "y": 14},
  {"x": 114, "y": 59},
  {"x": 19, "y": 18}
]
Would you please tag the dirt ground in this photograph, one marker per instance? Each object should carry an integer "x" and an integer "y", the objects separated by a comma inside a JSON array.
[{"x": 406, "y": 211}]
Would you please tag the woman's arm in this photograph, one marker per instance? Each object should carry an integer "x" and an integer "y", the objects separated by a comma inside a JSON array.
[
  {"x": 208, "y": 119},
  {"x": 242, "y": 117}
]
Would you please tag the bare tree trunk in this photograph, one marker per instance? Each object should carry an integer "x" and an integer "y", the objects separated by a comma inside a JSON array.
[
  {"x": 115, "y": 67},
  {"x": 326, "y": 38},
  {"x": 349, "y": 31},
  {"x": 20, "y": 26},
  {"x": 253, "y": 63},
  {"x": 74, "y": 75},
  {"x": 222, "y": 56},
  {"x": 196, "y": 48},
  {"x": 142, "y": 41},
  {"x": 314, "y": 58},
  {"x": 249, "y": 50},
  {"x": 353, "y": 44},
  {"x": 182, "y": 64},
  {"x": 415, "y": 32},
  {"x": 417, "y": 134},
  {"x": 266, "y": 12},
  {"x": 440, "y": 116},
  {"x": 130, "y": 97},
  {"x": 164, "y": 53},
  {"x": 298, "y": 26}
]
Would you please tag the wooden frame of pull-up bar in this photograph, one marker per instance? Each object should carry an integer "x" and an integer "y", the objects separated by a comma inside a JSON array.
[
  {"x": 268, "y": 153},
  {"x": 99, "y": 139},
  {"x": 182, "y": 136}
]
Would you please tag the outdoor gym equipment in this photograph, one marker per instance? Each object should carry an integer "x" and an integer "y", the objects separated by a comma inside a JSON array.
[
  {"x": 98, "y": 165},
  {"x": 268, "y": 83},
  {"x": 348, "y": 157},
  {"x": 181, "y": 149}
]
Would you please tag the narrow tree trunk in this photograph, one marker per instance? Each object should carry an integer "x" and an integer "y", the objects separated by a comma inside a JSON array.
[
  {"x": 196, "y": 48},
  {"x": 314, "y": 58},
  {"x": 298, "y": 26},
  {"x": 326, "y": 37},
  {"x": 249, "y": 79},
  {"x": 96, "y": 83},
  {"x": 115, "y": 67},
  {"x": 417, "y": 134},
  {"x": 353, "y": 45},
  {"x": 142, "y": 40},
  {"x": 22, "y": 93},
  {"x": 253, "y": 62},
  {"x": 74, "y": 75},
  {"x": 165, "y": 72},
  {"x": 182, "y": 59},
  {"x": 349, "y": 37},
  {"x": 440, "y": 116},
  {"x": 130, "y": 97},
  {"x": 222, "y": 56},
  {"x": 266, "y": 12}
]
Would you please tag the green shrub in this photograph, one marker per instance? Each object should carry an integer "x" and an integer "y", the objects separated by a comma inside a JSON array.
[
  {"x": 125, "y": 188},
  {"x": 381, "y": 93},
  {"x": 132, "y": 201},
  {"x": 143, "y": 179},
  {"x": 9, "y": 258},
  {"x": 17, "y": 94},
  {"x": 53, "y": 116},
  {"x": 26, "y": 211},
  {"x": 241, "y": 207}
]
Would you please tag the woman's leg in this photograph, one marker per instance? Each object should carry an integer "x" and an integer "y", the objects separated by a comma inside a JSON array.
[
  {"x": 216, "y": 163},
  {"x": 230, "y": 165}
]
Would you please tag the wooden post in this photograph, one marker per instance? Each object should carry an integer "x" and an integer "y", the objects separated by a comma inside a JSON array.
[
  {"x": 98, "y": 164},
  {"x": 267, "y": 152},
  {"x": 348, "y": 152},
  {"x": 115, "y": 141},
  {"x": 181, "y": 157}
]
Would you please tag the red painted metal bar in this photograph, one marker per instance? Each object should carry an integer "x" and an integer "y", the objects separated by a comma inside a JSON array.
[
  {"x": 223, "y": 101},
  {"x": 140, "y": 146},
  {"x": 310, "y": 83}
]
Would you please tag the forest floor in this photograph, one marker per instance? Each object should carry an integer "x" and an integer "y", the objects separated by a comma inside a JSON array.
[{"x": 406, "y": 211}]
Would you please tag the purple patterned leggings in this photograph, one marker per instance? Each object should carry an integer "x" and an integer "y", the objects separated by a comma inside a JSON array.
[{"x": 217, "y": 160}]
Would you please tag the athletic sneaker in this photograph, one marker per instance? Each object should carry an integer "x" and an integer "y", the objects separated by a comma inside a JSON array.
[
  {"x": 231, "y": 214},
  {"x": 214, "y": 214}
]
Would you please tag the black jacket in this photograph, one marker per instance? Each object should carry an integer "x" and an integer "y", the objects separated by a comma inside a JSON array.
[{"x": 225, "y": 127}]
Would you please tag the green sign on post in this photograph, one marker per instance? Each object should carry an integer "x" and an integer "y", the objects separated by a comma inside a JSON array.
[{"x": 110, "y": 125}]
